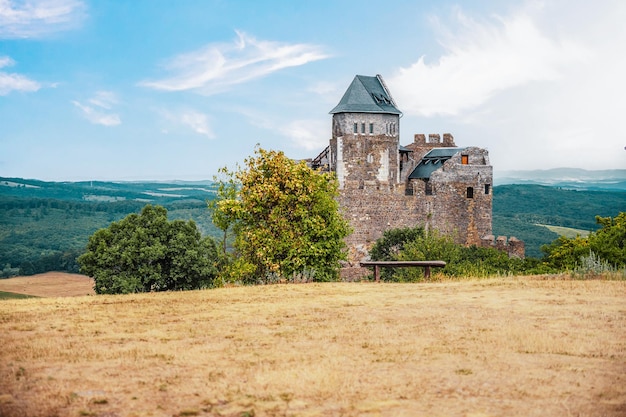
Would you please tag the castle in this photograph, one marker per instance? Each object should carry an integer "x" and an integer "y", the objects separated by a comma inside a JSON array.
[{"x": 382, "y": 185}]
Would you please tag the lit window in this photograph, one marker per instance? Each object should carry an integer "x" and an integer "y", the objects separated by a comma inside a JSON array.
[
  {"x": 465, "y": 159},
  {"x": 470, "y": 192}
]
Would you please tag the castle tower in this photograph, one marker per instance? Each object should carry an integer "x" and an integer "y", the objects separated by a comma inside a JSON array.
[{"x": 365, "y": 136}]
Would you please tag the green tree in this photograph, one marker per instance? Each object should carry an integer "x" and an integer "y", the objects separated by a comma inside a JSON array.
[
  {"x": 609, "y": 242},
  {"x": 285, "y": 219},
  {"x": 565, "y": 253},
  {"x": 146, "y": 252},
  {"x": 221, "y": 207}
]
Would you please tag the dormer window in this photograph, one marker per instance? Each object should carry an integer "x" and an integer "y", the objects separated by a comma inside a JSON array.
[{"x": 465, "y": 159}]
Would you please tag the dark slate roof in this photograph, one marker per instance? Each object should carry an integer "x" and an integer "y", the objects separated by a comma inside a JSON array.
[
  {"x": 432, "y": 161},
  {"x": 366, "y": 95}
]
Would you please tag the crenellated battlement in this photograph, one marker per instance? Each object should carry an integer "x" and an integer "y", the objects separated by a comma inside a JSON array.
[
  {"x": 514, "y": 247},
  {"x": 434, "y": 140}
]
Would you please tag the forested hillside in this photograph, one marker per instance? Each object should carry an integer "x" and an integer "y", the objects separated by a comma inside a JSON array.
[
  {"x": 520, "y": 210},
  {"x": 44, "y": 226}
]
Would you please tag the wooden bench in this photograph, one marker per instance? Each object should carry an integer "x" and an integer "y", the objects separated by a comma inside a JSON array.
[{"x": 395, "y": 264}]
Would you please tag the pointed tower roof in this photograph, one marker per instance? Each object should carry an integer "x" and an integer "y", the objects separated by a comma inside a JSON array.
[{"x": 367, "y": 95}]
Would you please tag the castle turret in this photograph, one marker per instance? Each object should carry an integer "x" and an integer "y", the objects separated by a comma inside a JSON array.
[{"x": 365, "y": 136}]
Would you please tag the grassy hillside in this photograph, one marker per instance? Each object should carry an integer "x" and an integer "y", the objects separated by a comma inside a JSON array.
[
  {"x": 476, "y": 348},
  {"x": 518, "y": 209}
]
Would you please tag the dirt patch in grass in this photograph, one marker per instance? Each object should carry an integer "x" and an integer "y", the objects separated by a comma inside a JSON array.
[
  {"x": 50, "y": 284},
  {"x": 500, "y": 347}
]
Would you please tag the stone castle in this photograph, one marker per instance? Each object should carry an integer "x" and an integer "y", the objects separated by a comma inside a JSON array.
[{"x": 431, "y": 182}]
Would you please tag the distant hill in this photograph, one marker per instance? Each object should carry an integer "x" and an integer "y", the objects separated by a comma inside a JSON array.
[
  {"x": 103, "y": 191},
  {"x": 44, "y": 226},
  {"x": 569, "y": 178},
  {"x": 521, "y": 209}
]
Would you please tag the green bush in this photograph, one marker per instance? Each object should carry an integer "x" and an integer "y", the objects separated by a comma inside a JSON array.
[{"x": 146, "y": 252}]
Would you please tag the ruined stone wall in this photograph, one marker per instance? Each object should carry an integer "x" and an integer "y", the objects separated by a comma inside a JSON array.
[
  {"x": 461, "y": 200},
  {"x": 370, "y": 212},
  {"x": 372, "y": 209},
  {"x": 514, "y": 247}
]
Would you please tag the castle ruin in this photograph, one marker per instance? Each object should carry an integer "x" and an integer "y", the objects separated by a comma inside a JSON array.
[{"x": 431, "y": 182}]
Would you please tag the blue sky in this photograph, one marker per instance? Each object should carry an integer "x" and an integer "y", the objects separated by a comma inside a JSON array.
[{"x": 163, "y": 90}]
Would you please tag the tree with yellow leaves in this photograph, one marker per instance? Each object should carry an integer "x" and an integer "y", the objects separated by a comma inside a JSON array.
[{"x": 285, "y": 218}]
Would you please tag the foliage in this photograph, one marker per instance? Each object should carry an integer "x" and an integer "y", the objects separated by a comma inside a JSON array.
[
  {"x": 415, "y": 244},
  {"x": 565, "y": 253},
  {"x": 605, "y": 246},
  {"x": 609, "y": 243},
  {"x": 392, "y": 242},
  {"x": 285, "y": 219},
  {"x": 41, "y": 235},
  {"x": 146, "y": 252},
  {"x": 221, "y": 206}
]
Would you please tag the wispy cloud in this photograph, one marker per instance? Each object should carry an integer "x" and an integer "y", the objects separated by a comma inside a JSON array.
[
  {"x": 481, "y": 59},
  {"x": 198, "y": 122},
  {"x": 37, "y": 18},
  {"x": 189, "y": 119},
  {"x": 307, "y": 134},
  {"x": 219, "y": 66},
  {"x": 98, "y": 109},
  {"x": 14, "y": 82}
]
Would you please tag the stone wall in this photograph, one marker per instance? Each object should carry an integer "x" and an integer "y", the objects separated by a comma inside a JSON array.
[
  {"x": 514, "y": 247},
  {"x": 371, "y": 209}
]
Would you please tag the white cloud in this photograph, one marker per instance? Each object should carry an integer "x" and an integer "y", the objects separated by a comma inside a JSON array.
[
  {"x": 218, "y": 66},
  {"x": 98, "y": 111},
  {"x": 104, "y": 99},
  {"x": 307, "y": 134},
  {"x": 542, "y": 87},
  {"x": 190, "y": 119},
  {"x": 198, "y": 122},
  {"x": 481, "y": 60},
  {"x": 14, "y": 82},
  {"x": 36, "y": 18}
]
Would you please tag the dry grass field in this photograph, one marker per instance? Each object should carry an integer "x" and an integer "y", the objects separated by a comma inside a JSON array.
[
  {"x": 50, "y": 284},
  {"x": 498, "y": 347}
]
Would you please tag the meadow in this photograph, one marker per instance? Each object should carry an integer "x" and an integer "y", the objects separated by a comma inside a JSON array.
[{"x": 519, "y": 346}]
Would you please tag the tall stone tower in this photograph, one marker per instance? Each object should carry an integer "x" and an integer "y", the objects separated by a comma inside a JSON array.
[{"x": 365, "y": 136}]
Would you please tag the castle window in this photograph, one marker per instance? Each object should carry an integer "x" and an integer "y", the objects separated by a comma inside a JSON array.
[
  {"x": 408, "y": 189},
  {"x": 464, "y": 159},
  {"x": 370, "y": 158},
  {"x": 428, "y": 188},
  {"x": 470, "y": 192},
  {"x": 356, "y": 128},
  {"x": 371, "y": 128},
  {"x": 362, "y": 127},
  {"x": 487, "y": 188}
]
